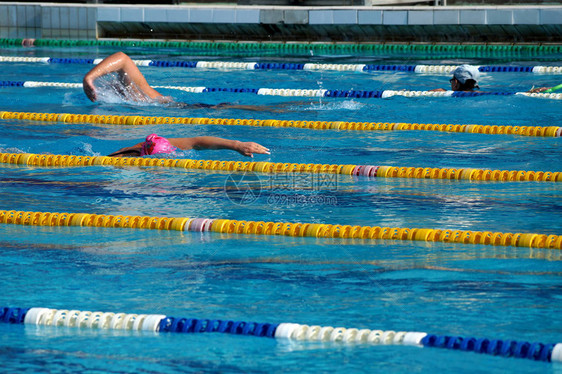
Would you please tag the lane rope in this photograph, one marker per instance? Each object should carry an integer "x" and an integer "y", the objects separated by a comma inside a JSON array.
[
  {"x": 370, "y": 171},
  {"x": 543, "y": 131},
  {"x": 305, "y": 92},
  {"x": 160, "y": 323},
  {"x": 230, "y": 65},
  {"x": 315, "y": 230},
  {"x": 479, "y": 50}
]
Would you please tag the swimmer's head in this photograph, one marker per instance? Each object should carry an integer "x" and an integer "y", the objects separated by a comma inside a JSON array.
[
  {"x": 467, "y": 76},
  {"x": 155, "y": 144}
]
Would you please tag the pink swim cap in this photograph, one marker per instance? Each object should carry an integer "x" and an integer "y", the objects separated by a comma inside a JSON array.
[{"x": 155, "y": 144}]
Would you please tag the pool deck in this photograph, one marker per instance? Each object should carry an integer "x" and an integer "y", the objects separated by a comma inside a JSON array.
[{"x": 224, "y": 22}]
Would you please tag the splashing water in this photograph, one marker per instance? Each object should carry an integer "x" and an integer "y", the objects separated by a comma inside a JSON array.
[
  {"x": 178, "y": 153},
  {"x": 84, "y": 149},
  {"x": 11, "y": 150},
  {"x": 111, "y": 90},
  {"x": 346, "y": 105},
  {"x": 71, "y": 99}
]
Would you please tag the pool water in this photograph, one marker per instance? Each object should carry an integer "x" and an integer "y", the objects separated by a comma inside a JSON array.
[{"x": 442, "y": 288}]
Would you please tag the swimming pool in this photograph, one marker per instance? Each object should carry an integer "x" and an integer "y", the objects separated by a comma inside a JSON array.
[{"x": 445, "y": 288}]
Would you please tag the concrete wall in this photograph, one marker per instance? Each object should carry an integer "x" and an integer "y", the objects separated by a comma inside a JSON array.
[
  {"x": 20, "y": 20},
  {"x": 351, "y": 24}
]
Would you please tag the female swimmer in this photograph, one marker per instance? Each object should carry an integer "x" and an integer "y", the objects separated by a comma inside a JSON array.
[{"x": 155, "y": 144}]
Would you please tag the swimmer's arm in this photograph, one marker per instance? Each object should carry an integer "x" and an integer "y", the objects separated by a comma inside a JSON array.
[
  {"x": 538, "y": 89},
  {"x": 212, "y": 142},
  {"x": 128, "y": 73},
  {"x": 133, "y": 151}
]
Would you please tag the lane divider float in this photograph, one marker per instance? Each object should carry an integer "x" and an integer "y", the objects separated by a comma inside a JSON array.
[
  {"x": 543, "y": 131},
  {"x": 160, "y": 323},
  {"x": 231, "y": 65},
  {"x": 289, "y": 92},
  {"x": 315, "y": 230},
  {"x": 480, "y": 49},
  {"x": 371, "y": 171}
]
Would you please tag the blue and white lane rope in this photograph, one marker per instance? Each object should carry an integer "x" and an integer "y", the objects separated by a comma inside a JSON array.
[
  {"x": 305, "y": 92},
  {"x": 425, "y": 69},
  {"x": 292, "y": 331}
]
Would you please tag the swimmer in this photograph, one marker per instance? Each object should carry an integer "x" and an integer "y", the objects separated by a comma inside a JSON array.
[
  {"x": 127, "y": 73},
  {"x": 465, "y": 78},
  {"x": 155, "y": 144},
  {"x": 139, "y": 89},
  {"x": 540, "y": 89}
]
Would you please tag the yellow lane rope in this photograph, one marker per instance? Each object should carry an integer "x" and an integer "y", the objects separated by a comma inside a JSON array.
[
  {"x": 43, "y": 160},
  {"x": 544, "y": 131},
  {"x": 316, "y": 230}
]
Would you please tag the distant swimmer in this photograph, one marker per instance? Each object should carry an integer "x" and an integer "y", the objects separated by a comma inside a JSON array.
[
  {"x": 155, "y": 144},
  {"x": 465, "y": 78},
  {"x": 545, "y": 89},
  {"x": 134, "y": 86}
]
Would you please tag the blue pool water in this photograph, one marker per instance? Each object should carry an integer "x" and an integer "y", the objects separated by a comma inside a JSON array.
[{"x": 442, "y": 288}]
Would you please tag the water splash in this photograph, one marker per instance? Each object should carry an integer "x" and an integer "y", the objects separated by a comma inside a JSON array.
[
  {"x": 84, "y": 149},
  {"x": 11, "y": 150},
  {"x": 345, "y": 105},
  {"x": 71, "y": 99},
  {"x": 111, "y": 90},
  {"x": 178, "y": 153}
]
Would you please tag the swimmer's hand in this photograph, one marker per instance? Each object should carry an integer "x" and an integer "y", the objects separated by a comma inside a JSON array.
[
  {"x": 89, "y": 89},
  {"x": 249, "y": 148},
  {"x": 437, "y": 90},
  {"x": 166, "y": 100}
]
